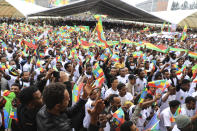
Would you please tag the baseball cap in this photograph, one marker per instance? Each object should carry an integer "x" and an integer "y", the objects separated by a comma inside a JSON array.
[{"x": 182, "y": 121}]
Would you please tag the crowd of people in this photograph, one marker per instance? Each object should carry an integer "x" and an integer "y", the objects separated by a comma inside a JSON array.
[{"x": 40, "y": 66}]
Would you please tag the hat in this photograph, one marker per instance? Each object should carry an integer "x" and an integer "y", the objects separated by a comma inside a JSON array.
[
  {"x": 182, "y": 121},
  {"x": 128, "y": 102}
]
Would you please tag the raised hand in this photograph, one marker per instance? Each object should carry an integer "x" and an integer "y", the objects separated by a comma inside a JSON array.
[
  {"x": 94, "y": 113},
  {"x": 158, "y": 96},
  {"x": 49, "y": 73},
  {"x": 87, "y": 89}
]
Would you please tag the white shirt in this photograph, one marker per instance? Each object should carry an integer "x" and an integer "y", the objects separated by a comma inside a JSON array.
[
  {"x": 86, "y": 120},
  {"x": 9, "y": 55},
  {"x": 110, "y": 91},
  {"x": 150, "y": 57},
  {"x": 53, "y": 62},
  {"x": 24, "y": 84},
  {"x": 37, "y": 71},
  {"x": 192, "y": 88},
  {"x": 82, "y": 58},
  {"x": 165, "y": 104},
  {"x": 175, "y": 128},
  {"x": 165, "y": 119},
  {"x": 127, "y": 76},
  {"x": 140, "y": 84},
  {"x": 27, "y": 67},
  {"x": 181, "y": 95},
  {"x": 144, "y": 114},
  {"x": 103, "y": 90},
  {"x": 187, "y": 112},
  {"x": 173, "y": 60},
  {"x": 194, "y": 94},
  {"x": 127, "y": 97},
  {"x": 12, "y": 80},
  {"x": 175, "y": 81},
  {"x": 131, "y": 111},
  {"x": 123, "y": 80},
  {"x": 88, "y": 76},
  {"x": 186, "y": 77},
  {"x": 76, "y": 74},
  {"x": 187, "y": 63}
]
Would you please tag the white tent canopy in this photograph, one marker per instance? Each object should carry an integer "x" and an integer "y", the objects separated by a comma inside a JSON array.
[
  {"x": 179, "y": 17},
  {"x": 118, "y": 9},
  {"x": 18, "y": 8}
]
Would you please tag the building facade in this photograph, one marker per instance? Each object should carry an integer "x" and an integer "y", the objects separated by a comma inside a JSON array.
[
  {"x": 153, "y": 5},
  {"x": 164, "y": 5}
]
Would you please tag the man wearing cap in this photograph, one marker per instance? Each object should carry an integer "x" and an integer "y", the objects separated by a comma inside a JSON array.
[{"x": 183, "y": 123}]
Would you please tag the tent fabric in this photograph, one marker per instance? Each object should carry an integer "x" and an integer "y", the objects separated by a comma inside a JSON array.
[
  {"x": 118, "y": 9},
  {"x": 17, "y": 8},
  {"x": 179, "y": 17}
]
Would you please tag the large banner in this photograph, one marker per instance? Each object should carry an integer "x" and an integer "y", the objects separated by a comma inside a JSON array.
[{"x": 182, "y": 4}]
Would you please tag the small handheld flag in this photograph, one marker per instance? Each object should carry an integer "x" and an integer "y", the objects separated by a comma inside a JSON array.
[
  {"x": 153, "y": 124},
  {"x": 59, "y": 58},
  {"x": 143, "y": 95},
  {"x": 162, "y": 84},
  {"x": 76, "y": 92},
  {"x": 41, "y": 55},
  {"x": 195, "y": 80},
  {"x": 175, "y": 67},
  {"x": 163, "y": 26},
  {"x": 97, "y": 71},
  {"x": 184, "y": 35},
  {"x": 99, "y": 81},
  {"x": 99, "y": 29},
  {"x": 146, "y": 29},
  {"x": 115, "y": 58},
  {"x": 24, "y": 52},
  {"x": 153, "y": 67},
  {"x": 35, "y": 53},
  {"x": 118, "y": 117},
  {"x": 181, "y": 70},
  {"x": 38, "y": 64},
  {"x": 139, "y": 54},
  {"x": 2, "y": 66},
  {"x": 178, "y": 112},
  {"x": 4, "y": 46},
  {"x": 194, "y": 71},
  {"x": 13, "y": 114},
  {"x": 41, "y": 69},
  {"x": 103, "y": 57}
]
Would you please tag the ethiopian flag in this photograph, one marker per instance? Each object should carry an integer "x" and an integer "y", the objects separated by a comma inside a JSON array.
[
  {"x": 99, "y": 29},
  {"x": 184, "y": 35}
]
